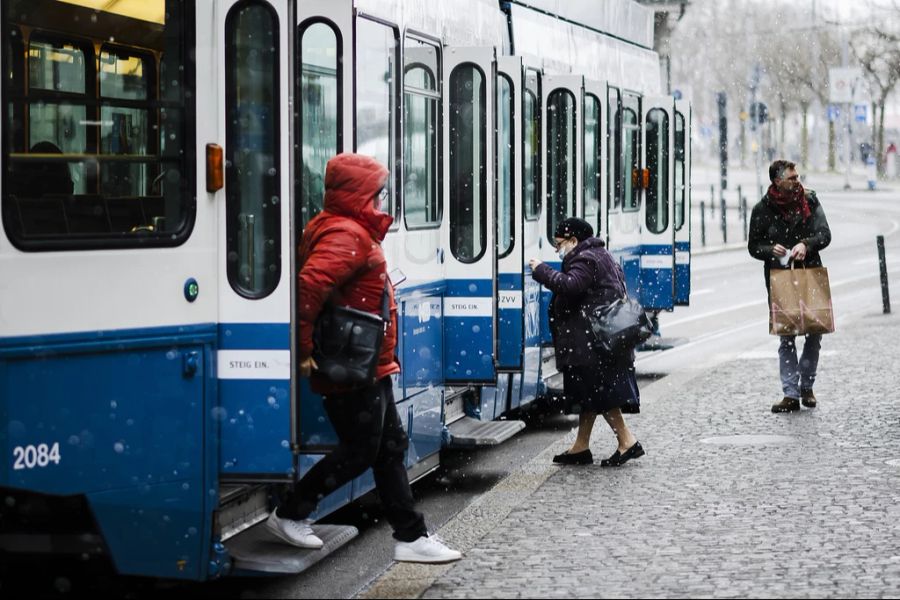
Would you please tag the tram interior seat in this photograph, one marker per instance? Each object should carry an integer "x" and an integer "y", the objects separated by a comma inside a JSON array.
[
  {"x": 42, "y": 194},
  {"x": 58, "y": 214}
]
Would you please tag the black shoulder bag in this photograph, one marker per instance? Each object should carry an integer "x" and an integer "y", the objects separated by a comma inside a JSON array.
[
  {"x": 619, "y": 327},
  {"x": 347, "y": 342}
]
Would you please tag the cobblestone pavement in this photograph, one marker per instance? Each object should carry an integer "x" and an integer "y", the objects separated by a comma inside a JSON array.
[{"x": 731, "y": 500}]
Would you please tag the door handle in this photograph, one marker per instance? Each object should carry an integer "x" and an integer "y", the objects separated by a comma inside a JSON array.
[{"x": 190, "y": 364}]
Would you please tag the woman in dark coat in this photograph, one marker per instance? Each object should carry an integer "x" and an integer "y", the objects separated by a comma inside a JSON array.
[{"x": 593, "y": 382}]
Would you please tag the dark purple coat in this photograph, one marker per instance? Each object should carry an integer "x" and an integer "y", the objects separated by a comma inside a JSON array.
[{"x": 590, "y": 277}]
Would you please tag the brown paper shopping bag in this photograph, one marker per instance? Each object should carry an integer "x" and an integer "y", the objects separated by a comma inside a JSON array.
[{"x": 800, "y": 301}]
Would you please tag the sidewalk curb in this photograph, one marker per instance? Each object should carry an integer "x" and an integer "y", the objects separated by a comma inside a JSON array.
[
  {"x": 719, "y": 249},
  {"x": 466, "y": 529}
]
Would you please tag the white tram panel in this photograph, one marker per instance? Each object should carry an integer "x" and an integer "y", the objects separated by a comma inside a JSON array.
[
  {"x": 564, "y": 47},
  {"x": 456, "y": 23},
  {"x": 71, "y": 291}
]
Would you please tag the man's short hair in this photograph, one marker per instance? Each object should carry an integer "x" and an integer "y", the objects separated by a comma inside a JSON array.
[{"x": 777, "y": 169}]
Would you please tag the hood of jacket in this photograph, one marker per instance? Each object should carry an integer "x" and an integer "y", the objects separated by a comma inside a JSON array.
[{"x": 351, "y": 183}]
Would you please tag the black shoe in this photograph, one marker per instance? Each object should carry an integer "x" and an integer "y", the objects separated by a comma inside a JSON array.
[
  {"x": 618, "y": 459},
  {"x": 579, "y": 458},
  {"x": 788, "y": 404},
  {"x": 631, "y": 409},
  {"x": 808, "y": 398}
]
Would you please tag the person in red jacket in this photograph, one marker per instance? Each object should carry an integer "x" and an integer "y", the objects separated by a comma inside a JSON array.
[{"x": 341, "y": 261}]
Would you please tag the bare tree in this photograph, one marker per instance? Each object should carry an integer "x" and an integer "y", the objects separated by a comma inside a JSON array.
[
  {"x": 717, "y": 46},
  {"x": 878, "y": 51}
]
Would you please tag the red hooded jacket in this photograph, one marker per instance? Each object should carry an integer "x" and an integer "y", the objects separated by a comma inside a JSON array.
[{"x": 341, "y": 259}]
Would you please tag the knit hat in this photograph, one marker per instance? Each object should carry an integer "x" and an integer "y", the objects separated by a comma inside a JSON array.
[{"x": 574, "y": 227}]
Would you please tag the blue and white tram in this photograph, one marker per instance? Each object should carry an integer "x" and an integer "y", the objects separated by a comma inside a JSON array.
[{"x": 159, "y": 161}]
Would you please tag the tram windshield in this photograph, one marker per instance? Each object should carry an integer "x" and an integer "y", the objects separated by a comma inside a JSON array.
[{"x": 97, "y": 142}]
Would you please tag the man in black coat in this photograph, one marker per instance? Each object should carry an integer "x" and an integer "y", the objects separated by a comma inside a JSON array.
[{"x": 789, "y": 224}]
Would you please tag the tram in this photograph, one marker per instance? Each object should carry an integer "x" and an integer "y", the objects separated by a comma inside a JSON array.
[{"x": 159, "y": 162}]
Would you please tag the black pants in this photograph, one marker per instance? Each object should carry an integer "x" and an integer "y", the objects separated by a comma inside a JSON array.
[{"x": 371, "y": 435}]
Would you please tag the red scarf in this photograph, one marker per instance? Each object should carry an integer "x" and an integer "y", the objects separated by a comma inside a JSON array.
[{"x": 791, "y": 204}]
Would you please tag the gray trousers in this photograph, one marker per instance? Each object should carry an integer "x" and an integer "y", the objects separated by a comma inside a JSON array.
[{"x": 798, "y": 376}]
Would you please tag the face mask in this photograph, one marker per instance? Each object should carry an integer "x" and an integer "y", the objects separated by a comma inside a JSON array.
[{"x": 563, "y": 250}]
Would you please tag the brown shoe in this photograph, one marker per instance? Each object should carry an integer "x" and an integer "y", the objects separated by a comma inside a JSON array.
[
  {"x": 788, "y": 404},
  {"x": 808, "y": 398}
]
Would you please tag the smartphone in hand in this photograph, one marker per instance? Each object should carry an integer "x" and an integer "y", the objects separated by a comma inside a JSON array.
[{"x": 397, "y": 277}]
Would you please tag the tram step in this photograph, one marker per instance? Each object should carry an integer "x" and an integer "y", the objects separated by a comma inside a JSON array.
[
  {"x": 240, "y": 508},
  {"x": 257, "y": 550},
  {"x": 468, "y": 432},
  {"x": 454, "y": 403},
  {"x": 554, "y": 385}
]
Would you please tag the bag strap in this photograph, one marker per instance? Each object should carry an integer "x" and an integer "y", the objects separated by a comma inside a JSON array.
[
  {"x": 620, "y": 275},
  {"x": 386, "y": 305}
]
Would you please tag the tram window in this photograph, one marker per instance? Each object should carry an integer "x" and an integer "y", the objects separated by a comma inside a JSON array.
[
  {"x": 98, "y": 148},
  {"x": 421, "y": 200},
  {"x": 531, "y": 141},
  {"x": 614, "y": 150},
  {"x": 592, "y": 163},
  {"x": 56, "y": 66},
  {"x": 561, "y": 163},
  {"x": 680, "y": 172},
  {"x": 505, "y": 163},
  {"x": 252, "y": 177},
  {"x": 631, "y": 152},
  {"x": 658, "y": 164},
  {"x": 376, "y": 121},
  {"x": 320, "y": 112},
  {"x": 62, "y": 67},
  {"x": 468, "y": 185},
  {"x": 123, "y": 129}
]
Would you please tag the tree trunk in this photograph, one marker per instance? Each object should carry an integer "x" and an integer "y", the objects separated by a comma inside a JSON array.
[
  {"x": 832, "y": 149},
  {"x": 781, "y": 149},
  {"x": 879, "y": 157},
  {"x": 743, "y": 143},
  {"x": 804, "y": 137}
]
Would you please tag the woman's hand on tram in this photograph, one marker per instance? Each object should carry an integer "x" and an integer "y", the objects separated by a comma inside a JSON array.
[
  {"x": 307, "y": 366},
  {"x": 533, "y": 263}
]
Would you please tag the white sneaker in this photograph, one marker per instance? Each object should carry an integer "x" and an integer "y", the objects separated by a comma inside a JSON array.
[
  {"x": 425, "y": 550},
  {"x": 297, "y": 533}
]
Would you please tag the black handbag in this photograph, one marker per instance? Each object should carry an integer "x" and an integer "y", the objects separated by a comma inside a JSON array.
[
  {"x": 619, "y": 327},
  {"x": 347, "y": 342}
]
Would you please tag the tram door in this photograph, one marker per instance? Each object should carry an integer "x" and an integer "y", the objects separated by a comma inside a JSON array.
[
  {"x": 623, "y": 226},
  {"x": 532, "y": 240},
  {"x": 595, "y": 148},
  {"x": 468, "y": 235},
  {"x": 657, "y": 290},
  {"x": 510, "y": 247},
  {"x": 562, "y": 168},
  {"x": 255, "y": 242},
  {"x": 682, "y": 174}
]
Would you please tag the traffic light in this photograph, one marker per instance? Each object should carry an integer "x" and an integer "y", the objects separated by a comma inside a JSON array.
[{"x": 759, "y": 112}]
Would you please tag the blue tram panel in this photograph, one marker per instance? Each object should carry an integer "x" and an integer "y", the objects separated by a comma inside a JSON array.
[
  {"x": 254, "y": 399},
  {"x": 657, "y": 285},
  {"x": 124, "y": 428}
]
